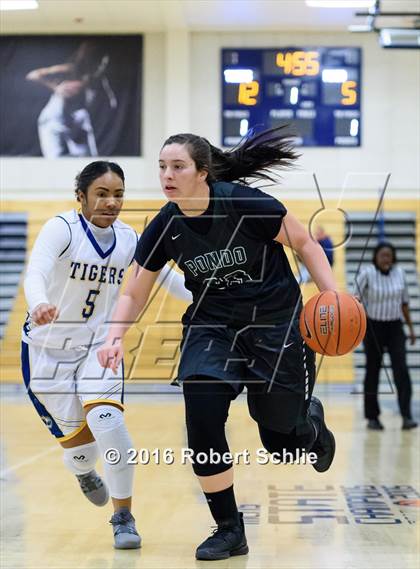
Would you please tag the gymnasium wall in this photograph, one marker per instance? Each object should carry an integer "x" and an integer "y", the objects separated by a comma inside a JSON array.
[
  {"x": 152, "y": 344},
  {"x": 390, "y": 138},
  {"x": 182, "y": 92}
]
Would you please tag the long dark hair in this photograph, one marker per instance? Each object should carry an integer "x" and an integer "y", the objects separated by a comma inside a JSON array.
[
  {"x": 384, "y": 245},
  {"x": 253, "y": 157},
  {"x": 95, "y": 170}
]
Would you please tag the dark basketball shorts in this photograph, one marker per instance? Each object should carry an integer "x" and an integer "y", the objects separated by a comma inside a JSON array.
[{"x": 272, "y": 361}]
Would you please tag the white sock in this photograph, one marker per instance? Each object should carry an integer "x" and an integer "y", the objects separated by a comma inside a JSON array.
[
  {"x": 81, "y": 459},
  {"x": 106, "y": 423}
]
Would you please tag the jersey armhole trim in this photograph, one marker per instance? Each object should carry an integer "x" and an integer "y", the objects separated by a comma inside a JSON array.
[
  {"x": 71, "y": 235},
  {"x": 161, "y": 240}
]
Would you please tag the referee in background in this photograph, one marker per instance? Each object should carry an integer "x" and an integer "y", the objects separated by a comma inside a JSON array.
[{"x": 382, "y": 287}]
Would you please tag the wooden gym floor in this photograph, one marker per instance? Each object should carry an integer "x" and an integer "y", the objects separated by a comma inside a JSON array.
[{"x": 361, "y": 513}]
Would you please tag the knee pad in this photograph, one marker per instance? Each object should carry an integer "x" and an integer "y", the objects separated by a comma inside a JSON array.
[
  {"x": 205, "y": 419},
  {"x": 275, "y": 442},
  {"x": 203, "y": 439},
  {"x": 103, "y": 418},
  {"x": 107, "y": 425},
  {"x": 205, "y": 442},
  {"x": 81, "y": 459},
  {"x": 277, "y": 410},
  {"x": 210, "y": 468}
]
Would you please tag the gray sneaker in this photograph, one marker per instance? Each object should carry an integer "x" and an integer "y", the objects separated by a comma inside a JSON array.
[
  {"x": 125, "y": 533},
  {"x": 93, "y": 488}
]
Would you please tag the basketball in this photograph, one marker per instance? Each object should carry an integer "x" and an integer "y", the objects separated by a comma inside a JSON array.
[{"x": 333, "y": 323}]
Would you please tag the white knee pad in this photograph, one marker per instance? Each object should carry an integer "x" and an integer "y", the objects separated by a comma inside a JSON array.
[
  {"x": 107, "y": 425},
  {"x": 81, "y": 459},
  {"x": 104, "y": 418}
]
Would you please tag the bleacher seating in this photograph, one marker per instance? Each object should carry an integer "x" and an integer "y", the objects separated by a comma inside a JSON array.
[{"x": 13, "y": 228}]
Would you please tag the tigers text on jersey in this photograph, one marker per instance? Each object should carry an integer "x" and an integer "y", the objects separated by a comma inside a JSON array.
[{"x": 83, "y": 283}]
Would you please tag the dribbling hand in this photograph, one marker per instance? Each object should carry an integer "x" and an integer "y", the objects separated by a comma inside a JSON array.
[
  {"x": 44, "y": 313},
  {"x": 110, "y": 355}
]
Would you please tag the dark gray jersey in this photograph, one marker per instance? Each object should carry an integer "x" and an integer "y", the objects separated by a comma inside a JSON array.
[{"x": 237, "y": 275}]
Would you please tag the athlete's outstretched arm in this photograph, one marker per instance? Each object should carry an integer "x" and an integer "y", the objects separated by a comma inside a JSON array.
[
  {"x": 174, "y": 283},
  {"x": 45, "y": 75},
  {"x": 293, "y": 234},
  {"x": 130, "y": 304},
  {"x": 51, "y": 243}
]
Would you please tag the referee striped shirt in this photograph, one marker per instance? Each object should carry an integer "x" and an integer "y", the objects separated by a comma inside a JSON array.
[{"x": 382, "y": 295}]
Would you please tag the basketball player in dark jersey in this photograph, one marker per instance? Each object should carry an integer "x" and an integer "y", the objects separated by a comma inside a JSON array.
[{"x": 242, "y": 327}]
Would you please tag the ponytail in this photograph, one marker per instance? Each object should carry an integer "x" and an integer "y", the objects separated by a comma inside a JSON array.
[{"x": 254, "y": 157}]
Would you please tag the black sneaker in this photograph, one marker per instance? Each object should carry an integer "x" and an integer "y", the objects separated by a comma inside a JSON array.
[
  {"x": 408, "y": 424},
  {"x": 227, "y": 540},
  {"x": 375, "y": 425},
  {"x": 324, "y": 445}
]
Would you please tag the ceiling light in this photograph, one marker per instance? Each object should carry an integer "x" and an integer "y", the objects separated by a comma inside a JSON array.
[
  {"x": 400, "y": 38},
  {"x": 385, "y": 37},
  {"x": 340, "y": 3},
  {"x": 18, "y": 5}
]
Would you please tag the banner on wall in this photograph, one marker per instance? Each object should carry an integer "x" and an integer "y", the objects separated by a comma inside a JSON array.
[{"x": 70, "y": 95}]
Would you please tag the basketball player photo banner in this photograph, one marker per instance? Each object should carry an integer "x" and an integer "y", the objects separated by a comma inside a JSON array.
[{"x": 70, "y": 95}]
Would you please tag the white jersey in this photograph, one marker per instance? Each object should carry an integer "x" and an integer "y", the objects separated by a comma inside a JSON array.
[
  {"x": 84, "y": 281},
  {"x": 382, "y": 294},
  {"x": 77, "y": 267}
]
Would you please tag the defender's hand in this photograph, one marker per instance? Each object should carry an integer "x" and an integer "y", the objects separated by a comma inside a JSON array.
[
  {"x": 111, "y": 354},
  {"x": 44, "y": 314}
]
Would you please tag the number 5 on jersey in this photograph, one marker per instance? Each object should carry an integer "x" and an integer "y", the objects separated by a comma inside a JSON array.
[{"x": 90, "y": 303}]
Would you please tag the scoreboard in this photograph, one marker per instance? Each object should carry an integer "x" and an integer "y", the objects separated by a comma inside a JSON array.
[{"x": 314, "y": 90}]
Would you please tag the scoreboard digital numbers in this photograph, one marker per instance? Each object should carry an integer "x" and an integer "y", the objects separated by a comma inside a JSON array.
[{"x": 315, "y": 90}]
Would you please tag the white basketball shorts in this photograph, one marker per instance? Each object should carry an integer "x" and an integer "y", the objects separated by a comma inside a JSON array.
[{"x": 60, "y": 383}]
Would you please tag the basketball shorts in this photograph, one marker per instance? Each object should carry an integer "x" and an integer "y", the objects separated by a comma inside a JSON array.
[
  {"x": 60, "y": 383},
  {"x": 271, "y": 361}
]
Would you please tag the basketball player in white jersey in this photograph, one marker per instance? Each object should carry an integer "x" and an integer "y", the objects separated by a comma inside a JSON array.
[{"x": 72, "y": 281}]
